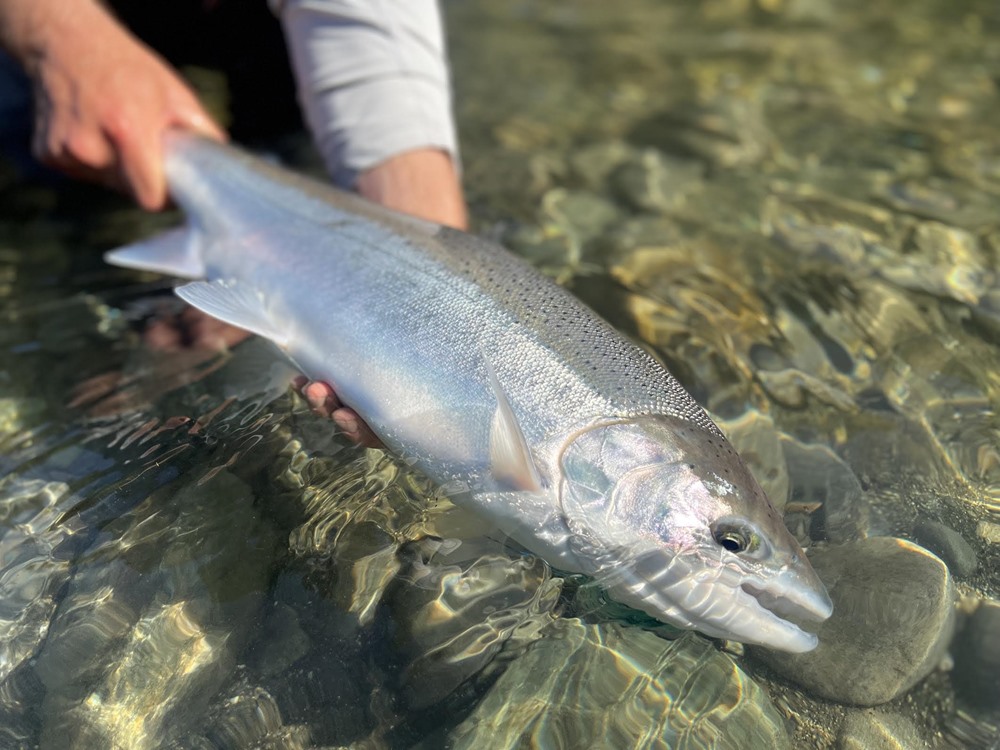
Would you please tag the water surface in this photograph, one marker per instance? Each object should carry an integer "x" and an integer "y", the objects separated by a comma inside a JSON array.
[{"x": 792, "y": 202}]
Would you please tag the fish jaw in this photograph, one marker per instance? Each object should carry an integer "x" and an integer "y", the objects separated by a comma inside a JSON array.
[
  {"x": 646, "y": 501},
  {"x": 720, "y": 601}
]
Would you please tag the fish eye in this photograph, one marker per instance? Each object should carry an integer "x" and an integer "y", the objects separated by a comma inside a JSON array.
[{"x": 736, "y": 539}]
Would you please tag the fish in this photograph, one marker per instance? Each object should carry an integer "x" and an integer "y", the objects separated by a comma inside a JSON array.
[{"x": 498, "y": 384}]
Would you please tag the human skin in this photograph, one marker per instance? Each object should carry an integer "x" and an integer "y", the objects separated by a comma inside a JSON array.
[{"x": 103, "y": 101}]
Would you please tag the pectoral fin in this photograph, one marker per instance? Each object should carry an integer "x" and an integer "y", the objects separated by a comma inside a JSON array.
[
  {"x": 175, "y": 252},
  {"x": 510, "y": 458},
  {"x": 232, "y": 302}
]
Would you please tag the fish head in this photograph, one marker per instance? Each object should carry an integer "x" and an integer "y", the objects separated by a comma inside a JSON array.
[{"x": 668, "y": 518}]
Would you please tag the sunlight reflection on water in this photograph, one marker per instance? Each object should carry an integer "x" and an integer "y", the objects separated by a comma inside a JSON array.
[{"x": 792, "y": 203}]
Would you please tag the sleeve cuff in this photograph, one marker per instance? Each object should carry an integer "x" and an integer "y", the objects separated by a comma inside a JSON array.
[{"x": 372, "y": 77}]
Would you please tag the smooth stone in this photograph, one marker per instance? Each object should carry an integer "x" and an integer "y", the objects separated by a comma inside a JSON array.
[
  {"x": 614, "y": 687},
  {"x": 615, "y": 246},
  {"x": 653, "y": 181},
  {"x": 593, "y": 164},
  {"x": 250, "y": 719},
  {"x": 844, "y": 235},
  {"x": 819, "y": 12},
  {"x": 876, "y": 730},
  {"x": 151, "y": 625},
  {"x": 15, "y": 413},
  {"x": 949, "y": 545},
  {"x": 283, "y": 641},
  {"x": 818, "y": 475},
  {"x": 942, "y": 199},
  {"x": 893, "y": 618},
  {"x": 962, "y": 267},
  {"x": 977, "y": 658}
]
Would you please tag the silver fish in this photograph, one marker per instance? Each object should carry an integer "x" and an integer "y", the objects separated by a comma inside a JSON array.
[{"x": 496, "y": 383}]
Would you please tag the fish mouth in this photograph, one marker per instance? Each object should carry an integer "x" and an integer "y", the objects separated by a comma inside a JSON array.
[
  {"x": 790, "y": 600},
  {"x": 725, "y": 601},
  {"x": 783, "y": 601}
]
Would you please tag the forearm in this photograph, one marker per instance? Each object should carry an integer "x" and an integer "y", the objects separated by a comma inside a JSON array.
[
  {"x": 373, "y": 79},
  {"x": 30, "y": 30}
]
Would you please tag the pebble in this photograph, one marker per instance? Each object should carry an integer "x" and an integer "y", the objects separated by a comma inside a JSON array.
[
  {"x": 893, "y": 617},
  {"x": 614, "y": 687},
  {"x": 989, "y": 532},
  {"x": 571, "y": 221},
  {"x": 876, "y": 730},
  {"x": 949, "y": 545},
  {"x": 941, "y": 260}
]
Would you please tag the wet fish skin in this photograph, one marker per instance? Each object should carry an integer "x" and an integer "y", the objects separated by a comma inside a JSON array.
[{"x": 498, "y": 384}]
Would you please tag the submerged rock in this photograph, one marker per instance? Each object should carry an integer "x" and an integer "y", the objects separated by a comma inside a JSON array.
[
  {"x": 654, "y": 182},
  {"x": 31, "y": 573},
  {"x": 893, "y": 617},
  {"x": 151, "y": 626},
  {"x": 875, "y": 730},
  {"x": 977, "y": 659},
  {"x": 593, "y": 164},
  {"x": 724, "y": 131},
  {"x": 609, "y": 686},
  {"x": 250, "y": 718},
  {"x": 818, "y": 475},
  {"x": 453, "y": 609},
  {"x": 949, "y": 545}
]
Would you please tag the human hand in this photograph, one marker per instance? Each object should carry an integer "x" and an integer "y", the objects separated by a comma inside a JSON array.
[
  {"x": 323, "y": 400},
  {"x": 103, "y": 101}
]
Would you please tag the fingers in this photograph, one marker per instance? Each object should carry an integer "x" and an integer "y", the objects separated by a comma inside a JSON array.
[
  {"x": 321, "y": 399},
  {"x": 140, "y": 149},
  {"x": 355, "y": 429},
  {"x": 104, "y": 119},
  {"x": 140, "y": 165},
  {"x": 324, "y": 402}
]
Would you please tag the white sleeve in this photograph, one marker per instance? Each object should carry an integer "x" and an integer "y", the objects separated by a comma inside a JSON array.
[{"x": 373, "y": 79}]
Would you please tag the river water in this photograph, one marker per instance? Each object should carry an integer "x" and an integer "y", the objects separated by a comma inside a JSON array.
[{"x": 794, "y": 203}]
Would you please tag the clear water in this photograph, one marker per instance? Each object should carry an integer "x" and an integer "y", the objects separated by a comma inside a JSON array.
[{"x": 794, "y": 202}]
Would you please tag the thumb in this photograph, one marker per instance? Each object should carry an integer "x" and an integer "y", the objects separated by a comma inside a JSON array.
[{"x": 199, "y": 122}]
